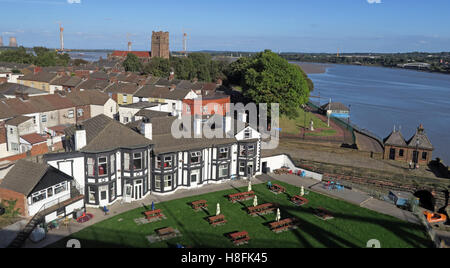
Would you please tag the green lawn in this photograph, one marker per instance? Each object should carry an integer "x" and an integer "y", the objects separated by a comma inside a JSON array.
[
  {"x": 352, "y": 226},
  {"x": 303, "y": 120}
]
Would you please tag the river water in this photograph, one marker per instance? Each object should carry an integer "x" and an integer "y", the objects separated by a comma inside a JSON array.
[{"x": 381, "y": 98}]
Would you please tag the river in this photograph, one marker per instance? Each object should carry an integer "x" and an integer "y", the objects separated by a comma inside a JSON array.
[{"x": 381, "y": 98}]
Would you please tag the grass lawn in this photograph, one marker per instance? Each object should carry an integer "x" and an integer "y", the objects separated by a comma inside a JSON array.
[
  {"x": 352, "y": 226},
  {"x": 293, "y": 126},
  {"x": 323, "y": 133}
]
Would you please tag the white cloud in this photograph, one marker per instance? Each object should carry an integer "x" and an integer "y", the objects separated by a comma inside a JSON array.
[
  {"x": 74, "y": 1},
  {"x": 374, "y": 1}
]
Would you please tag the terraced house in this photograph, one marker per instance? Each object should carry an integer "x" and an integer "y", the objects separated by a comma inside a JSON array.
[{"x": 39, "y": 80}]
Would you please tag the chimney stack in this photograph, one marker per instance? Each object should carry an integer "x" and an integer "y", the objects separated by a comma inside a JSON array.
[
  {"x": 129, "y": 46},
  {"x": 147, "y": 128},
  {"x": 80, "y": 137},
  {"x": 197, "y": 127},
  {"x": 1, "y": 41}
]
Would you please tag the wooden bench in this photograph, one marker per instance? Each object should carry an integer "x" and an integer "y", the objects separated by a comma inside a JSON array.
[
  {"x": 283, "y": 225},
  {"x": 323, "y": 214},
  {"x": 153, "y": 214},
  {"x": 278, "y": 189},
  {"x": 200, "y": 204},
  {"x": 299, "y": 200},
  {"x": 241, "y": 196},
  {"x": 217, "y": 220},
  {"x": 262, "y": 209},
  {"x": 166, "y": 233},
  {"x": 240, "y": 238}
]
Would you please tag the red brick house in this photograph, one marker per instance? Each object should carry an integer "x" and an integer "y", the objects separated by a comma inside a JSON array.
[{"x": 418, "y": 149}]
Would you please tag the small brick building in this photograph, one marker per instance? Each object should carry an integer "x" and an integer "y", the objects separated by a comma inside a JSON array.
[{"x": 418, "y": 149}]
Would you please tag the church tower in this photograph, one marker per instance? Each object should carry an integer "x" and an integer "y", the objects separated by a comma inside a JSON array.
[{"x": 160, "y": 45}]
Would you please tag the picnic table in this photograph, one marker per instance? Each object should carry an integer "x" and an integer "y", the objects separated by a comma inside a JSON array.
[
  {"x": 284, "y": 225},
  {"x": 262, "y": 209},
  {"x": 240, "y": 238},
  {"x": 166, "y": 232},
  {"x": 217, "y": 220},
  {"x": 299, "y": 200},
  {"x": 277, "y": 188},
  {"x": 200, "y": 204},
  {"x": 282, "y": 170},
  {"x": 241, "y": 196},
  {"x": 323, "y": 213},
  {"x": 153, "y": 214}
]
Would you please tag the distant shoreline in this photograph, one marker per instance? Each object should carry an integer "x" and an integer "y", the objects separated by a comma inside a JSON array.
[{"x": 312, "y": 68}]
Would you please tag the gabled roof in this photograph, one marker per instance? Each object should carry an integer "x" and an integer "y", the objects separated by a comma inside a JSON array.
[
  {"x": 16, "y": 121},
  {"x": 105, "y": 134},
  {"x": 122, "y": 88},
  {"x": 27, "y": 177},
  {"x": 39, "y": 77},
  {"x": 34, "y": 138},
  {"x": 93, "y": 84},
  {"x": 11, "y": 89},
  {"x": 335, "y": 106},
  {"x": 162, "y": 92},
  {"x": 420, "y": 140},
  {"x": 87, "y": 97},
  {"x": 139, "y": 54},
  {"x": 395, "y": 139}
]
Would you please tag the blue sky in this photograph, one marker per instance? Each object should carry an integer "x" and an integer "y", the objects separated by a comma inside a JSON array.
[{"x": 244, "y": 25}]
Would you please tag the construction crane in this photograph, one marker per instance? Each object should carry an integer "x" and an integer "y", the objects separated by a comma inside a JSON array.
[
  {"x": 129, "y": 42},
  {"x": 185, "y": 40}
]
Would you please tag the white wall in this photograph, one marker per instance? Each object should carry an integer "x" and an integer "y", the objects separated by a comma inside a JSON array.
[
  {"x": 278, "y": 161},
  {"x": 69, "y": 164}
]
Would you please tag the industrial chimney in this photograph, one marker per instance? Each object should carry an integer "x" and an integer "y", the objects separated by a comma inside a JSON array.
[
  {"x": 61, "y": 36},
  {"x": 1, "y": 41},
  {"x": 129, "y": 46},
  {"x": 12, "y": 42}
]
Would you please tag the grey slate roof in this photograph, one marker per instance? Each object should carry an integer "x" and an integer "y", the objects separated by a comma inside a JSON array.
[
  {"x": 395, "y": 139},
  {"x": 162, "y": 92},
  {"x": 105, "y": 134},
  {"x": 10, "y": 89},
  {"x": 152, "y": 114},
  {"x": 422, "y": 139},
  {"x": 335, "y": 106},
  {"x": 24, "y": 177},
  {"x": 17, "y": 120},
  {"x": 40, "y": 77}
]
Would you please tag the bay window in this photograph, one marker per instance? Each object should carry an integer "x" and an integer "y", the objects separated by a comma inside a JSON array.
[
  {"x": 126, "y": 162},
  {"x": 90, "y": 166},
  {"x": 223, "y": 171},
  {"x": 137, "y": 161},
  {"x": 102, "y": 166},
  {"x": 168, "y": 179}
]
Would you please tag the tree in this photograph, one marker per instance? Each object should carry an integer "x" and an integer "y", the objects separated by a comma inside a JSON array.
[
  {"x": 268, "y": 78},
  {"x": 159, "y": 67},
  {"x": 132, "y": 63}
]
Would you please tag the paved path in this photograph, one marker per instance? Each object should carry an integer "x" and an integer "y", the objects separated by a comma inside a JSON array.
[
  {"x": 10, "y": 232},
  {"x": 356, "y": 197},
  {"x": 367, "y": 144}
]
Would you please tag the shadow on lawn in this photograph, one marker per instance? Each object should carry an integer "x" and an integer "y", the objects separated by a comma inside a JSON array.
[{"x": 208, "y": 240}]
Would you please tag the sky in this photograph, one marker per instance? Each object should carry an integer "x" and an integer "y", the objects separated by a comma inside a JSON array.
[{"x": 233, "y": 25}]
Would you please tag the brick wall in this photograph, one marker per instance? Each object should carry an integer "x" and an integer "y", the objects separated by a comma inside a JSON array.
[{"x": 21, "y": 204}]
